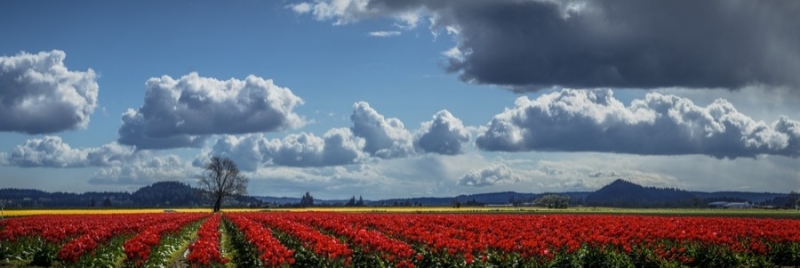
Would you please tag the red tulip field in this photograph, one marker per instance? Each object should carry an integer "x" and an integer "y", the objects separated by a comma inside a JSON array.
[{"x": 321, "y": 239}]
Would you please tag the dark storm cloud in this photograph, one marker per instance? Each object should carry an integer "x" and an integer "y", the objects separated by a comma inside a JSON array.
[
  {"x": 528, "y": 45},
  {"x": 184, "y": 112},
  {"x": 594, "y": 121},
  {"x": 38, "y": 94}
]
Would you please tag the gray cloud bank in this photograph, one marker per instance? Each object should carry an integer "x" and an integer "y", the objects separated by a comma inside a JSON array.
[
  {"x": 143, "y": 172},
  {"x": 118, "y": 164},
  {"x": 594, "y": 121},
  {"x": 533, "y": 44},
  {"x": 39, "y": 94},
  {"x": 184, "y": 112},
  {"x": 51, "y": 151}
]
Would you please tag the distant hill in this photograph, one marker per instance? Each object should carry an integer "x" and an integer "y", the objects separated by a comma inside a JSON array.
[
  {"x": 622, "y": 193},
  {"x": 484, "y": 198},
  {"x": 167, "y": 193},
  {"x": 619, "y": 193},
  {"x": 498, "y": 198},
  {"x": 159, "y": 194},
  {"x": 29, "y": 198},
  {"x": 734, "y": 196},
  {"x": 278, "y": 200}
]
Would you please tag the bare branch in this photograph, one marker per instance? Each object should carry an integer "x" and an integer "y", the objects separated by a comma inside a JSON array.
[{"x": 222, "y": 178}]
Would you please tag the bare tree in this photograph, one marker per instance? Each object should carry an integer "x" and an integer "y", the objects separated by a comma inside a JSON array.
[{"x": 221, "y": 178}]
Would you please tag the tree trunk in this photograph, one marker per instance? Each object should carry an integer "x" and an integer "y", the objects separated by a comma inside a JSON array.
[{"x": 217, "y": 204}]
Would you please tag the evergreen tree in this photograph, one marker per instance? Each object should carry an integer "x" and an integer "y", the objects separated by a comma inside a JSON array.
[{"x": 307, "y": 200}]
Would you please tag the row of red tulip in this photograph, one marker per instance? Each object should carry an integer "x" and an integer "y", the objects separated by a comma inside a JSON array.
[
  {"x": 100, "y": 229},
  {"x": 205, "y": 250},
  {"x": 543, "y": 236},
  {"x": 77, "y": 235},
  {"x": 270, "y": 250},
  {"x": 137, "y": 249},
  {"x": 359, "y": 235},
  {"x": 408, "y": 240},
  {"x": 51, "y": 228},
  {"x": 323, "y": 245},
  {"x": 541, "y": 239}
]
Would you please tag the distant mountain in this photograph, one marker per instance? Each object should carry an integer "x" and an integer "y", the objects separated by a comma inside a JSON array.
[
  {"x": 619, "y": 193},
  {"x": 159, "y": 194},
  {"x": 622, "y": 193}
]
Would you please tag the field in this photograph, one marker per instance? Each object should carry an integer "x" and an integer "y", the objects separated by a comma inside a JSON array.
[
  {"x": 758, "y": 213},
  {"x": 410, "y": 237}
]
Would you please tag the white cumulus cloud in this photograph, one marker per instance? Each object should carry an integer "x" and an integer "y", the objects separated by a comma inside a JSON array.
[
  {"x": 445, "y": 134},
  {"x": 119, "y": 164},
  {"x": 249, "y": 152},
  {"x": 301, "y": 8},
  {"x": 344, "y": 11},
  {"x": 145, "y": 171},
  {"x": 184, "y": 112},
  {"x": 384, "y": 33},
  {"x": 39, "y": 94},
  {"x": 594, "y": 121},
  {"x": 488, "y": 176},
  {"x": 336, "y": 147},
  {"x": 384, "y": 137},
  {"x": 52, "y": 152},
  {"x": 371, "y": 135}
]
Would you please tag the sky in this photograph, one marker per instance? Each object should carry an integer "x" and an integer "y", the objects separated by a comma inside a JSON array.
[{"x": 397, "y": 99}]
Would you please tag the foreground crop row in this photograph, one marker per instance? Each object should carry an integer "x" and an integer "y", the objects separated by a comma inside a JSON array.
[{"x": 397, "y": 240}]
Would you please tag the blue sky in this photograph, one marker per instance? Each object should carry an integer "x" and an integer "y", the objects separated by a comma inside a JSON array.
[{"x": 530, "y": 106}]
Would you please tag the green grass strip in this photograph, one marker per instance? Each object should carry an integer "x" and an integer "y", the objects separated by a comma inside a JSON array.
[{"x": 172, "y": 246}]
